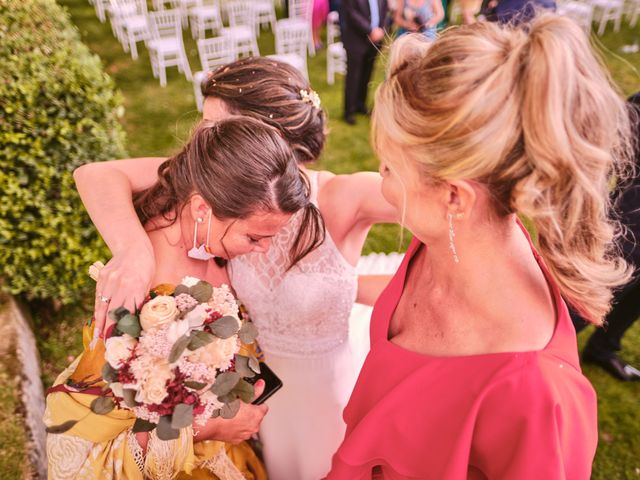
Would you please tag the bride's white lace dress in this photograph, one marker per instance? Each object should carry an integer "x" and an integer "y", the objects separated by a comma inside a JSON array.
[{"x": 303, "y": 318}]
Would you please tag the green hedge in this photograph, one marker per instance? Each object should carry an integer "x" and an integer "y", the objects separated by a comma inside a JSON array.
[{"x": 58, "y": 110}]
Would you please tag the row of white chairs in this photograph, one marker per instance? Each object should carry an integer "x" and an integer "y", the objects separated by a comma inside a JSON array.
[
  {"x": 291, "y": 47},
  {"x": 586, "y": 12},
  {"x": 161, "y": 31}
]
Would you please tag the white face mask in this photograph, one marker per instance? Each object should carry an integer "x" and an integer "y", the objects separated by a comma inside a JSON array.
[{"x": 201, "y": 252}]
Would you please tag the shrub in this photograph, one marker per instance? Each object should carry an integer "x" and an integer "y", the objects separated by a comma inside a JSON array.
[{"x": 58, "y": 110}]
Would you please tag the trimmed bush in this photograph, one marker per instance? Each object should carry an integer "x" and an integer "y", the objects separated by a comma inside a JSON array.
[{"x": 58, "y": 110}]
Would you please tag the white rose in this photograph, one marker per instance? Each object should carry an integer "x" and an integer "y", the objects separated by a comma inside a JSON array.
[
  {"x": 197, "y": 316},
  {"x": 118, "y": 349},
  {"x": 177, "y": 330},
  {"x": 158, "y": 311},
  {"x": 189, "y": 281},
  {"x": 217, "y": 354},
  {"x": 154, "y": 390}
]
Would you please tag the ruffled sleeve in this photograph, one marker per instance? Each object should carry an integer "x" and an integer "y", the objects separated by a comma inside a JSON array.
[{"x": 529, "y": 427}]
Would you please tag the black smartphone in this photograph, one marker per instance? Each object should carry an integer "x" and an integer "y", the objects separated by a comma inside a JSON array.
[{"x": 271, "y": 380}]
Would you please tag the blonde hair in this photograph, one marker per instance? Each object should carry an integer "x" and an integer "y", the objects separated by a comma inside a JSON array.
[{"x": 531, "y": 115}]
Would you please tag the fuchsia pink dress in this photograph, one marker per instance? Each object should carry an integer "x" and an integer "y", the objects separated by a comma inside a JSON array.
[
  {"x": 502, "y": 416},
  {"x": 320, "y": 12}
]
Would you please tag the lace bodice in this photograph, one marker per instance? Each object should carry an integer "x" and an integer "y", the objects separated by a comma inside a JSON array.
[{"x": 303, "y": 311}]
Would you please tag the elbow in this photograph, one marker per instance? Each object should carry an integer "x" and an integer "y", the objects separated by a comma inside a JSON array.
[
  {"x": 80, "y": 173},
  {"x": 84, "y": 173}
]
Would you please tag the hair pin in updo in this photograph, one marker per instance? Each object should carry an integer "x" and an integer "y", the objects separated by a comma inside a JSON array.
[{"x": 311, "y": 97}]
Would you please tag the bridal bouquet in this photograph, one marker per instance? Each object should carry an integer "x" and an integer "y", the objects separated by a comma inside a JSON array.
[{"x": 177, "y": 360}]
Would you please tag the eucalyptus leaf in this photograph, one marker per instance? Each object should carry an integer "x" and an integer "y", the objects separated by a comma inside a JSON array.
[
  {"x": 178, "y": 348},
  {"x": 248, "y": 333},
  {"x": 229, "y": 410},
  {"x": 130, "y": 324},
  {"x": 201, "y": 291},
  {"x": 63, "y": 427},
  {"x": 242, "y": 366},
  {"x": 141, "y": 425},
  {"x": 129, "y": 396},
  {"x": 228, "y": 398},
  {"x": 225, "y": 382},
  {"x": 165, "y": 430},
  {"x": 182, "y": 416},
  {"x": 102, "y": 405},
  {"x": 109, "y": 374},
  {"x": 194, "y": 385},
  {"x": 225, "y": 327},
  {"x": 244, "y": 391},
  {"x": 254, "y": 364},
  {"x": 180, "y": 289},
  {"x": 199, "y": 339},
  {"x": 118, "y": 313}
]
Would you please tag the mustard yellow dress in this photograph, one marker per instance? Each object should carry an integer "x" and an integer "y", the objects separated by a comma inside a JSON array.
[{"x": 103, "y": 447}]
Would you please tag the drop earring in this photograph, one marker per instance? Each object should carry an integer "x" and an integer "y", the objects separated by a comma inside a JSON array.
[
  {"x": 201, "y": 252},
  {"x": 452, "y": 234}
]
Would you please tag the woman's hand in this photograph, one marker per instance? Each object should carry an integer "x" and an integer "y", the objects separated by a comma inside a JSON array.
[
  {"x": 242, "y": 427},
  {"x": 123, "y": 282},
  {"x": 106, "y": 189}
]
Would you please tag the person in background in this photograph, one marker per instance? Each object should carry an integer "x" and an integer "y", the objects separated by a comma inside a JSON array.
[
  {"x": 514, "y": 11},
  {"x": 469, "y": 8},
  {"x": 604, "y": 343},
  {"x": 419, "y": 16},
  {"x": 318, "y": 20},
  {"x": 362, "y": 23}
]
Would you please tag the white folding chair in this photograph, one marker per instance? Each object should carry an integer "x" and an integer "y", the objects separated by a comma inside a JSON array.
[
  {"x": 101, "y": 7},
  {"x": 606, "y": 11},
  {"x": 300, "y": 11},
  {"x": 159, "y": 5},
  {"x": 581, "y": 13},
  {"x": 632, "y": 11},
  {"x": 242, "y": 28},
  {"x": 333, "y": 27},
  {"x": 184, "y": 6},
  {"x": 165, "y": 44},
  {"x": 130, "y": 23},
  {"x": 205, "y": 16},
  {"x": 213, "y": 52},
  {"x": 291, "y": 39},
  {"x": 336, "y": 61},
  {"x": 265, "y": 14}
]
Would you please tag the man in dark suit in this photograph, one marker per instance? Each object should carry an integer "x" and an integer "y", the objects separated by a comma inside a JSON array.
[{"x": 362, "y": 23}]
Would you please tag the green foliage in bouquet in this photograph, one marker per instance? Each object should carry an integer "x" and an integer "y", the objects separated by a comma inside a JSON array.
[{"x": 58, "y": 110}]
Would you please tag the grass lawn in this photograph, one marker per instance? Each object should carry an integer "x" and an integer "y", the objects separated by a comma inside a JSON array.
[{"x": 158, "y": 120}]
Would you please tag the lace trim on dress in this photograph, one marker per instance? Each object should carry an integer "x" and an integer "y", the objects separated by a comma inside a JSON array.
[
  {"x": 222, "y": 466},
  {"x": 136, "y": 450},
  {"x": 163, "y": 455}
]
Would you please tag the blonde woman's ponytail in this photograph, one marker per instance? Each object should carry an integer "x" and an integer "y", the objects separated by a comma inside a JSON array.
[{"x": 575, "y": 130}]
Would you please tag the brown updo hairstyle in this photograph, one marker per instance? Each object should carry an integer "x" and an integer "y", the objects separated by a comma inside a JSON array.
[
  {"x": 269, "y": 90},
  {"x": 531, "y": 115},
  {"x": 240, "y": 166}
]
